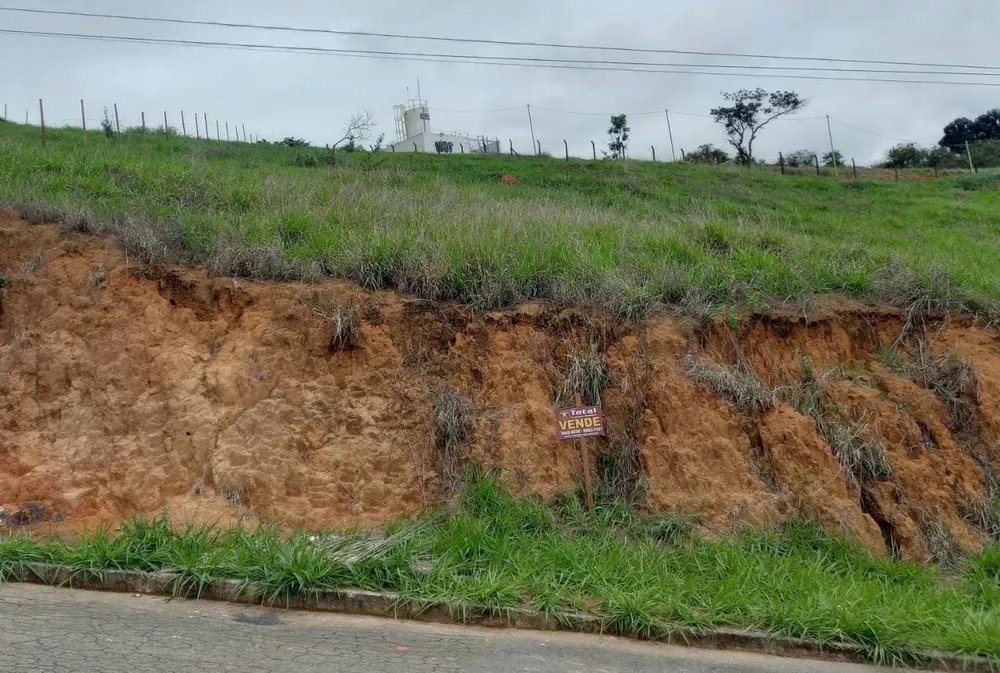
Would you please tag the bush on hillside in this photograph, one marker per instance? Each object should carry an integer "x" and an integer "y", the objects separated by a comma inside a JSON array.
[
  {"x": 800, "y": 158},
  {"x": 707, "y": 154}
]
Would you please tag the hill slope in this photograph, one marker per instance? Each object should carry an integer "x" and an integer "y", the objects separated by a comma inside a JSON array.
[{"x": 628, "y": 235}]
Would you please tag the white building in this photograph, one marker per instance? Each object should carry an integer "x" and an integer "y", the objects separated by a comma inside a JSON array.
[{"x": 414, "y": 134}]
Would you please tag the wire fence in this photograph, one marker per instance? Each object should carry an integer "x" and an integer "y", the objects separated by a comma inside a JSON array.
[{"x": 533, "y": 131}]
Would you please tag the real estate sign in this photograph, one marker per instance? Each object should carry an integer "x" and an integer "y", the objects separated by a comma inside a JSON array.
[{"x": 579, "y": 422}]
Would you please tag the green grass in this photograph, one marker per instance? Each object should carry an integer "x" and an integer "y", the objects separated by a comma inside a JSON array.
[
  {"x": 640, "y": 574},
  {"x": 630, "y": 235}
]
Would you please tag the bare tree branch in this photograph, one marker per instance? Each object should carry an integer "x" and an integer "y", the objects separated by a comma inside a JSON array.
[{"x": 357, "y": 127}]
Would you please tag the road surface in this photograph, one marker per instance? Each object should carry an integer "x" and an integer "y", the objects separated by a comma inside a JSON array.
[{"x": 45, "y": 630}]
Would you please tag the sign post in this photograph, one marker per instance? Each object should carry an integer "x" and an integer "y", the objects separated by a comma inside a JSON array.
[{"x": 581, "y": 423}]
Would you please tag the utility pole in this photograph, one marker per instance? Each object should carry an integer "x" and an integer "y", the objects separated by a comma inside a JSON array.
[
  {"x": 833, "y": 152},
  {"x": 670, "y": 131},
  {"x": 531, "y": 125}
]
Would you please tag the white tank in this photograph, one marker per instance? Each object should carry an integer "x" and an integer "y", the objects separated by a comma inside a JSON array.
[{"x": 417, "y": 120}]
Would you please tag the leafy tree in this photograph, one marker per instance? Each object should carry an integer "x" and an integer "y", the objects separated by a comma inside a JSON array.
[
  {"x": 707, "y": 154},
  {"x": 908, "y": 155},
  {"x": 942, "y": 157},
  {"x": 833, "y": 159},
  {"x": 800, "y": 158},
  {"x": 294, "y": 142},
  {"x": 619, "y": 134},
  {"x": 986, "y": 153},
  {"x": 750, "y": 111},
  {"x": 964, "y": 130}
]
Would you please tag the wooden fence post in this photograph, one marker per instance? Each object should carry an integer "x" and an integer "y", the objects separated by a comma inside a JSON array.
[
  {"x": 41, "y": 114},
  {"x": 854, "y": 165},
  {"x": 816, "y": 158},
  {"x": 781, "y": 161},
  {"x": 118, "y": 125},
  {"x": 593, "y": 148},
  {"x": 83, "y": 119},
  {"x": 184, "y": 126},
  {"x": 566, "y": 148},
  {"x": 652, "y": 147},
  {"x": 143, "y": 122}
]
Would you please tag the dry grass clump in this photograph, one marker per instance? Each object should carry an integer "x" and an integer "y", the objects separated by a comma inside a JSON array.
[
  {"x": 739, "y": 385},
  {"x": 953, "y": 380},
  {"x": 586, "y": 376},
  {"x": 453, "y": 433},
  {"x": 344, "y": 319},
  {"x": 940, "y": 541},
  {"x": 861, "y": 456},
  {"x": 234, "y": 488},
  {"x": 241, "y": 259}
]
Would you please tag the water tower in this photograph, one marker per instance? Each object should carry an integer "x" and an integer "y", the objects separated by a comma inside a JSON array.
[{"x": 412, "y": 118}]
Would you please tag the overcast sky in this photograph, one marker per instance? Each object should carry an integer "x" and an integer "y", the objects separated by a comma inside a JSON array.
[{"x": 277, "y": 95}]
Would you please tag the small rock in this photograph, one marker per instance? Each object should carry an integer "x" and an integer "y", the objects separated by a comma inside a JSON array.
[{"x": 35, "y": 511}]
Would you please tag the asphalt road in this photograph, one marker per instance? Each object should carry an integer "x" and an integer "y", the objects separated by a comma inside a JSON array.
[{"x": 45, "y": 630}]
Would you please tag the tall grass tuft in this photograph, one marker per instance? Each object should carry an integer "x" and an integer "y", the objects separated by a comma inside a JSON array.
[{"x": 453, "y": 433}]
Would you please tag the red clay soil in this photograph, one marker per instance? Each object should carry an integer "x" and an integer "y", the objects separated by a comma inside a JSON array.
[{"x": 126, "y": 390}]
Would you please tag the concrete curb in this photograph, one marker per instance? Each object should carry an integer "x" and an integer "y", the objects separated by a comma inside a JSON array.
[{"x": 374, "y": 604}]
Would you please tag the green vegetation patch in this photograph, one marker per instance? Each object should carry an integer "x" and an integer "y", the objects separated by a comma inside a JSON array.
[
  {"x": 626, "y": 234},
  {"x": 639, "y": 573}
]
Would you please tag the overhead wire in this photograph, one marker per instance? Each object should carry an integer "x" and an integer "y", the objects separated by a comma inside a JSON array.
[
  {"x": 486, "y": 41},
  {"x": 467, "y": 58}
]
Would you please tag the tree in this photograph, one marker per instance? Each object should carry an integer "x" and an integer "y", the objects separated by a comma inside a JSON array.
[
  {"x": 750, "y": 112},
  {"x": 707, "y": 154},
  {"x": 986, "y": 153},
  {"x": 800, "y": 158},
  {"x": 964, "y": 130},
  {"x": 908, "y": 155},
  {"x": 294, "y": 142},
  {"x": 833, "y": 159},
  {"x": 357, "y": 128},
  {"x": 619, "y": 134}
]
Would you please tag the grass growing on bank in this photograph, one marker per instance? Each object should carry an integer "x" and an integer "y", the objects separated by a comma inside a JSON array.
[
  {"x": 627, "y": 234},
  {"x": 492, "y": 549}
]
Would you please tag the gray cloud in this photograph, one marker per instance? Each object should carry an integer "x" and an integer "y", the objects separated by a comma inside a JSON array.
[{"x": 277, "y": 95}]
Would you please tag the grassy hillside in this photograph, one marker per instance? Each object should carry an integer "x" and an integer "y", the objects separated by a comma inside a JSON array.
[{"x": 627, "y": 234}]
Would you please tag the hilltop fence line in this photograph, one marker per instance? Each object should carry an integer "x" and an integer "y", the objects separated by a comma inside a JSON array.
[{"x": 198, "y": 125}]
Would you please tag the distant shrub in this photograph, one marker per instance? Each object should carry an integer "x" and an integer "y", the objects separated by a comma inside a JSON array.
[
  {"x": 294, "y": 142},
  {"x": 707, "y": 154},
  {"x": 306, "y": 161},
  {"x": 106, "y": 126},
  {"x": 800, "y": 158}
]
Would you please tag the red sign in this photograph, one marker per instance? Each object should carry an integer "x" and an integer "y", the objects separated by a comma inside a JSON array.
[{"x": 579, "y": 422}]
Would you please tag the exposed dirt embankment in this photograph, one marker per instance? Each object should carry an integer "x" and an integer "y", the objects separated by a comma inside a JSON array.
[{"x": 125, "y": 389}]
